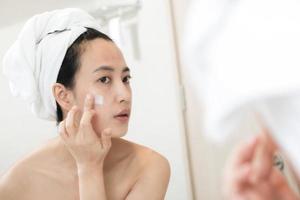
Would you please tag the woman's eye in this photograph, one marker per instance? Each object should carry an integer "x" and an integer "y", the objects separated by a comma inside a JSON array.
[
  {"x": 126, "y": 79},
  {"x": 104, "y": 79}
]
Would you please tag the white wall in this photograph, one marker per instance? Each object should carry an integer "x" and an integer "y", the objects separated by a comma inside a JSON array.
[{"x": 156, "y": 120}]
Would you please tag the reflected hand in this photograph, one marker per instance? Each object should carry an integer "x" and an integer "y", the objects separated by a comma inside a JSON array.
[{"x": 250, "y": 174}]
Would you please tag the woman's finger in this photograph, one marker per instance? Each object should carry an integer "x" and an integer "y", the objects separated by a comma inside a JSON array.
[
  {"x": 89, "y": 102},
  {"x": 70, "y": 122},
  {"x": 86, "y": 120},
  {"x": 236, "y": 183},
  {"x": 244, "y": 152},
  {"x": 62, "y": 132},
  {"x": 238, "y": 167},
  {"x": 263, "y": 160},
  {"x": 281, "y": 186},
  {"x": 88, "y": 113},
  {"x": 242, "y": 175},
  {"x": 106, "y": 138}
]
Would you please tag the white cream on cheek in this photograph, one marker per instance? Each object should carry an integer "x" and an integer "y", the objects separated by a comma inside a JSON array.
[{"x": 99, "y": 100}]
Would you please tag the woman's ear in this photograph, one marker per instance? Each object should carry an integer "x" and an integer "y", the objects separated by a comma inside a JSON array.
[{"x": 63, "y": 96}]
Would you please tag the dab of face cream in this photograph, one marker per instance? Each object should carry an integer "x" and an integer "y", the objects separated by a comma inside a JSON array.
[{"x": 99, "y": 100}]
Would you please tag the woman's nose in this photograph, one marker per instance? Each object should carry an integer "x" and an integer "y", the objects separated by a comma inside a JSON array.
[{"x": 123, "y": 93}]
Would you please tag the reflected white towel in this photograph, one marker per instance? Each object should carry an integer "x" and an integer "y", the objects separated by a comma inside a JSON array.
[
  {"x": 244, "y": 57},
  {"x": 33, "y": 61}
]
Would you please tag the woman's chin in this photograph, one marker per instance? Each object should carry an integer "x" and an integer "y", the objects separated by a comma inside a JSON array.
[
  {"x": 119, "y": 132},
  {"x": 116, "y": 132}
]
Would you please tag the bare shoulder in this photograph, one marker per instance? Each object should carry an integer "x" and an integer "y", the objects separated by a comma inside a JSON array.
[
  {"x": 154, "y": 173},
  {"x": 147, "y": 157},
  {"x": 154, "y": 161},
  {"x": 16, "y": 182}
]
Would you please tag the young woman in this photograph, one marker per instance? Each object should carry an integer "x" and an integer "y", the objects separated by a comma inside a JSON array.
[{"x": 88, "y": 160}]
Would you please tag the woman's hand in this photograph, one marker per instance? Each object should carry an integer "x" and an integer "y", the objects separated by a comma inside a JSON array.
[
  {"x": 83, "y": 143},
  {"x": 250, "y": 174},
  {"x": 88, "y": 150}
]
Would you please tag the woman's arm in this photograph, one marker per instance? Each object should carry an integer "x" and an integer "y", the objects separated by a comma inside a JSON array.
[
  {"x": 91, "y": 183},
  {"x": 153, "y": 183},
  {"x": 88, "y": 150}
]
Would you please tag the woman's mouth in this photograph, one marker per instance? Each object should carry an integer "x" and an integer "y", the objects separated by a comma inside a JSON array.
[{"x": 123, "y": 116}]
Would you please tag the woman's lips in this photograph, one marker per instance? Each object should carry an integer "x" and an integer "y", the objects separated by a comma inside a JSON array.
[{"x": 123, "y": 116}]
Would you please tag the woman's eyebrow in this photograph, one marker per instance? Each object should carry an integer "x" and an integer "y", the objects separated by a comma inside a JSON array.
[
  {"x": 126, "y": 69},
  {"x": 104, "y": 67},
  {"x": 109, "y": 68}
]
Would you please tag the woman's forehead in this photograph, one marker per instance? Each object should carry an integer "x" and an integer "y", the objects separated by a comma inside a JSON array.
[
  {"x": 104, "y": 55},
  {"x": 102, "y": 49}
]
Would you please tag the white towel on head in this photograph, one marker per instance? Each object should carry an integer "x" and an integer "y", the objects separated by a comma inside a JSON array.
[
  {"x": 243, "y": 58},
  {"x": 32, "y": 63}
]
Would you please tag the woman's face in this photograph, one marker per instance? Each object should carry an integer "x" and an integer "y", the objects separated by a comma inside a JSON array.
[{"x": 103, "y": 71}]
